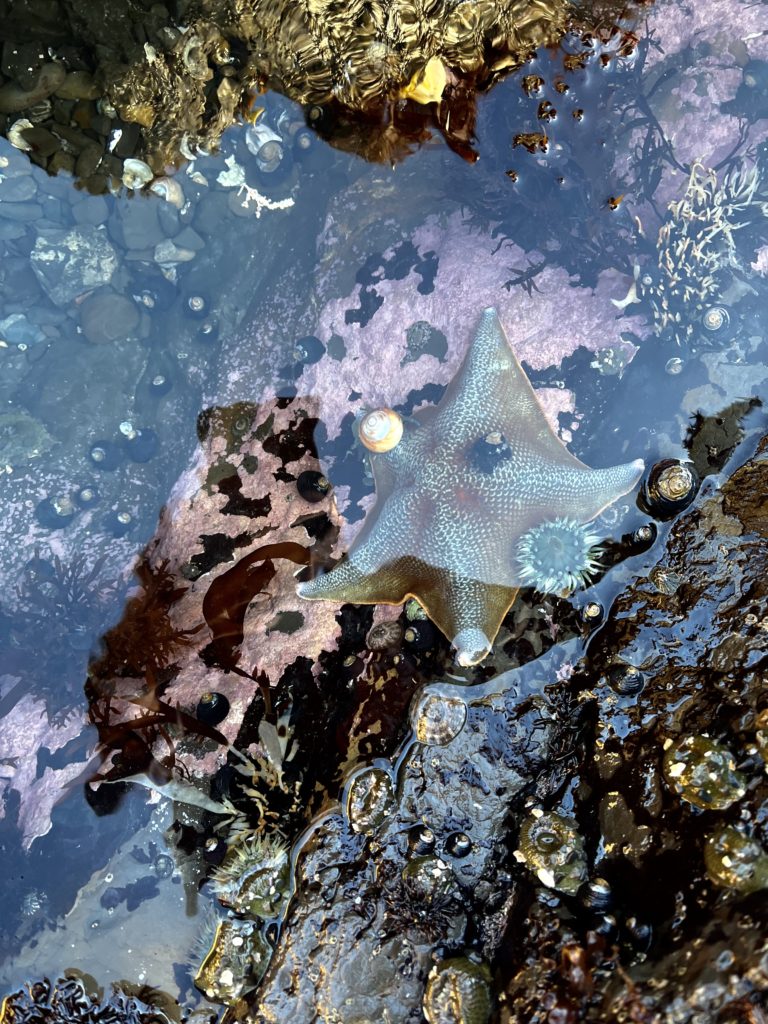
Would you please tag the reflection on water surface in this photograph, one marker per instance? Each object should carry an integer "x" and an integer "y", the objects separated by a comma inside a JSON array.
[{"x": 265, "y": 807}]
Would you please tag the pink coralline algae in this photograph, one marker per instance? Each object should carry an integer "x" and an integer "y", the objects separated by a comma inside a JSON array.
[
  {"x": 27, "y": 729},
  {"x": 544, "y": 327},
  {"x": 760, "y": 262},
  {"x": 233, "y": 534}
]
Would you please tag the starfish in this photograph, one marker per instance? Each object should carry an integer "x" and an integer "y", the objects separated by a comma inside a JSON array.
[{"x": 465, "y": 480}]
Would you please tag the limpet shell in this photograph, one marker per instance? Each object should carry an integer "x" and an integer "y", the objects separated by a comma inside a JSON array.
[
  {"x": 551, "y": 847},
  {"x": 736, "y": 861},
  {"x": 437, "y": 719},
  {"x": 703, "y": 773}
]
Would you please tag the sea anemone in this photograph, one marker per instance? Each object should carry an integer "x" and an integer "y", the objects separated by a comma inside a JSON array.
[
  {"x": 557, "y": 557},
  {"x": 253, "y": 878}
]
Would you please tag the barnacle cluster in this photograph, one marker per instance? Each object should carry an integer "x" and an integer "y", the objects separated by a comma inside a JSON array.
[
  {"x": 696, "y": 245},
  {"x": 369, "y": 799}
]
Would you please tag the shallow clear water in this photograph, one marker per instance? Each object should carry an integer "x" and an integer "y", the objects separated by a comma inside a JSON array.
[{"x": 162, "y": 392}]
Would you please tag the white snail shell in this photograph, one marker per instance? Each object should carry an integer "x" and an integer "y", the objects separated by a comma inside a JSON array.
[{"x": 380, "y": 430}]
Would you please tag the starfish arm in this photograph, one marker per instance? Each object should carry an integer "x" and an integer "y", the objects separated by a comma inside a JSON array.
[
  {"x": 587, "y": 492},
  {"x": 380, "y": 568},
  {"x": 468, "y": 611},
  {"x": 347, "y": 583}
]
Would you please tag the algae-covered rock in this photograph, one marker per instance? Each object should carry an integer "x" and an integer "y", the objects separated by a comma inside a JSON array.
[{"x": 22, "y": 438}]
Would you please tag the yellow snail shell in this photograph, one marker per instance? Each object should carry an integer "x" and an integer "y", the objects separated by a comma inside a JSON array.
[{"x": 380, "y": 430}]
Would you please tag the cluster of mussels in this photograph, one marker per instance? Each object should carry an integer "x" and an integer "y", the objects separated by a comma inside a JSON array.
[
  {"x": 75, "y": 999},
  {"x": 113, "y": 97}
]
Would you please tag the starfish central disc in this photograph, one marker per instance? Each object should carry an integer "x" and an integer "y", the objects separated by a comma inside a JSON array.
[{"x": 455, "y": 495}]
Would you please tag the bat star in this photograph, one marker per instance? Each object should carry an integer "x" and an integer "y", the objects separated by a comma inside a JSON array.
[{"x": 464, "y": 481}]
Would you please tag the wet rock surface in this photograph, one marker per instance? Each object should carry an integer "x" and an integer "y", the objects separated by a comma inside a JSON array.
[
  {"x": 436, "y": 878},
  {"x": 624, "y": 878}
]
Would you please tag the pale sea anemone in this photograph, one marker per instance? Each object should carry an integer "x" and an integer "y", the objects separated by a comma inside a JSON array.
[{"x": 558, "y": 556}]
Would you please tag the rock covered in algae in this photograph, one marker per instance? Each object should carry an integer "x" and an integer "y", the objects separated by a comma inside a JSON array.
[
  {"x": 365, "y": 917},
  {"x": 566, "y": 950},
  {"x": 73, "y": 999},
  {"x": 22, "y": 438},
  {"x": 168, "y": 82}
]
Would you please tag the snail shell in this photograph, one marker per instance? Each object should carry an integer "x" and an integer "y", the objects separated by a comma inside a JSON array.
[{"x": 381, "y": 430}]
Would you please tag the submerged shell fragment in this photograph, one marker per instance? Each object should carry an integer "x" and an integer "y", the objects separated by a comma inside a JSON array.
[{"x": 136, "y": 173}]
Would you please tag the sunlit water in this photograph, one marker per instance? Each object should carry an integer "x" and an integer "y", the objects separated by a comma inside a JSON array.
[{"x": 349, "y": 286}]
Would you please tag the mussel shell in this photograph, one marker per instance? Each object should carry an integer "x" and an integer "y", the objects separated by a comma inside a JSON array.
[{"x": 596, "y": 895}]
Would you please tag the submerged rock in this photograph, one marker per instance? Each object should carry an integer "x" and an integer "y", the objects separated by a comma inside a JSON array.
[{"x": 69, "y": 262}]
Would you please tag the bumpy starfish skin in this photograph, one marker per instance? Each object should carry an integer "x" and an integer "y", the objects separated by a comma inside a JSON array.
[{"x": 446, "y": 522}]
